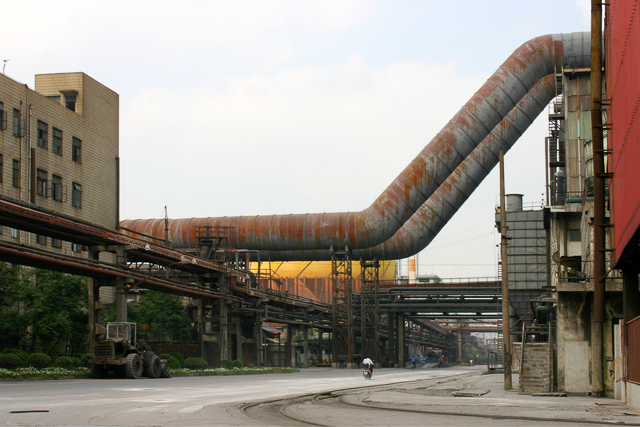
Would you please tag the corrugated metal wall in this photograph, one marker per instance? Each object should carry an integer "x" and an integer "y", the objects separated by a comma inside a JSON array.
[{"x": 623, "y": 88}]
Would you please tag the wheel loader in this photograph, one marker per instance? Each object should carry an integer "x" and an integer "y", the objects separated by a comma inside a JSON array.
[{"x": 120, "y": 352}]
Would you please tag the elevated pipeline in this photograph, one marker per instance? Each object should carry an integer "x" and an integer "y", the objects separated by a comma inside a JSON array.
[
  {"x": 433, "y": 215},
  {"x": 530, "y": 63}
]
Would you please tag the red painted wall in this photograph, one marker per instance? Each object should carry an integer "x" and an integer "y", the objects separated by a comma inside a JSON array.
[{"x": 622, "y": 49}]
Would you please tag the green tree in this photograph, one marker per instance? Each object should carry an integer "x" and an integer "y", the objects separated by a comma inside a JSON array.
[
  {"x": 54, "y": 308},
  {"x": 13, "y": 323},
  {"x": 164, "y": 315}
]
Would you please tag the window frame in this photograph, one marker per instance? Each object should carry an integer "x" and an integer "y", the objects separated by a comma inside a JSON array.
[
  {"x": 56, "y": 243},
  {"x": 15, "y": 173},
  {"x": 56, "y": 142},
  {"x": 76, "y": 149},
  {"x": 43, "y": 134},
  {"x": 56, "y": 188},
  {"x": 41, "y": 239},
  {"x": 3, "y": 117},
  {"x": 41, "y": 182},
  {"x": 76, "y": 195},
  {"x": 17, "y": 123}
]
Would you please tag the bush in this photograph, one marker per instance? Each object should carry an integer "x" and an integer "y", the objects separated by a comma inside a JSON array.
[
  {"x": 23, "y": 355},
  {"x": 230, "y": 364},
  {"x": 39, "y": 360},
  {"x": 67, "y": 362},
  {"x": 178, "y": 356},
  {"x": 195, "y": 363},
  {"x": 84, "y": 359},
  {"x": 174, "y": 363},
  {"x": 10, "y": 361}
]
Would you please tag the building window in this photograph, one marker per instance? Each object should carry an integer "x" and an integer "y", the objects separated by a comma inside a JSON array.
[
  {"x": 15, "y": 233},
  {"x": 56, "y": 188},
  {"x": 43, "y": 131},
  {"x": 15, "y": 173},
  {"x": 75, "y": 247},
  {"x": 70, "y": 100},
  {"x": 76, "y": 150},
  {"x": 56, "y": 243},
  {"x": 3, "y": 117},
  {"x": 40, "y": 239},
  {"x": 56, "y": 142},
  {"x": 41, "y": 183},
  {"x": 76, "y": 195},
  {"x": 17, "y": 128}
]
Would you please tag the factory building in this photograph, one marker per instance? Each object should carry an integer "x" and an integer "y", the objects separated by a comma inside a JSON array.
[{"x": 59, "y": 151}]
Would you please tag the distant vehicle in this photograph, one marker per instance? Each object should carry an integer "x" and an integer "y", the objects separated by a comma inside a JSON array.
[{"x": 120, "y": 352}]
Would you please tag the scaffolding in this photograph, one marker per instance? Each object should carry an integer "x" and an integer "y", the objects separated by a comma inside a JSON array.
[
  {"x": 369, "y": 275},
  {"x": 342, "y": 281}
]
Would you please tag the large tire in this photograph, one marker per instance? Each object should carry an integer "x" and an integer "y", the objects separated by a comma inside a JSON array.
[
  {"x": 152, "y": 367},
  {"x": 134, "y": 366},
  {"x": 166, "y": 370}
]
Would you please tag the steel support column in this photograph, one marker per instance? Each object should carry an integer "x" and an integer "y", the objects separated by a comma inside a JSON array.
[
  {"x": 259, "y": 339},
  {"x": 369, "y": 276},
  {"x": 342, "y": 308},
  {"x": 401, "y": 339}
]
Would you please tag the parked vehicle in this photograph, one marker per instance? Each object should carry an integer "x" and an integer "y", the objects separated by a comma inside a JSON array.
[{"x": 120, "y": 352}]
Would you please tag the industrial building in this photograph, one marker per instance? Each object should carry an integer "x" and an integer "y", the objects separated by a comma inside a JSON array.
[
  {"x": 59, "y": 150},
  {"x": 573, "y": 270}
]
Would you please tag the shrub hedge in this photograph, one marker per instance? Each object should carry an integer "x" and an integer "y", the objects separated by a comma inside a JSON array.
[
  {"x": 39, "y": 360},
  {"x": 195, "y": 363}
]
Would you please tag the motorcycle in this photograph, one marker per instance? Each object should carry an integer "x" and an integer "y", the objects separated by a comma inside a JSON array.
[{"x": 367, "y": 372}]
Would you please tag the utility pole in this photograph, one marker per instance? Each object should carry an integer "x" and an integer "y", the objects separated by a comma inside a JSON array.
[
  {"x": 599, "y": 238},
  {"x": 506, "y": 333}
]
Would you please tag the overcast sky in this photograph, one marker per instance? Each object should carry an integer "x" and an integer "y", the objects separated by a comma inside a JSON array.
[{"x": 275, "y": 107}]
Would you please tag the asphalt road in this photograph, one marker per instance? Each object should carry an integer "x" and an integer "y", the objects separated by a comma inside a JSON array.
[{"x": 179, "y": 401}]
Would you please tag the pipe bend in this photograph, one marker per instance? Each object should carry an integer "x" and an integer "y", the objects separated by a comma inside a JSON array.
[{"x": 291, "y": 235}]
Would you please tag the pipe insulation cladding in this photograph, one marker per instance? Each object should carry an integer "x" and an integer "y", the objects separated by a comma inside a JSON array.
[
  {"x": 433, "y": 215},
  {"x": 288, "y": 234}
]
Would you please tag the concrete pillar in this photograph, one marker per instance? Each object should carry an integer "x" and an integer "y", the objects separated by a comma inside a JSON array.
[
  {"x": 459, "y": 345},
  {"x": 287, "y": 345},
  {"x": 305, "y": 345},
  {"x": 239, "y": 338},
  {"x": 393, "y": 354},
  {"x": 201, "y": 323},
  {"x": 630, "y": 310},
  {"x": 259, "y": 339},
  {"x": 401, "y": 355},
  {"x": 121, "y": 301},
  {"x": 93, "y": 308}
]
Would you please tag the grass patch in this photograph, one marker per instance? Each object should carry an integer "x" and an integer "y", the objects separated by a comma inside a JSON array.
[
  {"x": 45, "y": 373},
  {"x": 56, "y": 373}
]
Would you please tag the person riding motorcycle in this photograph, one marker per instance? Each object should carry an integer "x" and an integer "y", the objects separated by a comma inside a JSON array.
[{"x": 368, "y": 363}]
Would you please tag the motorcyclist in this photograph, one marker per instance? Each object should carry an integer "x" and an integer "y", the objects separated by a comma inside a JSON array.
[{"x": 368, "y": 363}]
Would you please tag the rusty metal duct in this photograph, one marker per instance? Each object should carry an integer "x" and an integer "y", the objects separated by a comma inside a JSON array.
[
  {"x": 434, "y": 214},
  {"x": 530, "y": 63}
]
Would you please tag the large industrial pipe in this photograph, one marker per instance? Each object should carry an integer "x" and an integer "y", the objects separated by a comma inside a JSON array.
[
  {"x": 510, "y": 83},
  {"x": 434, "y": 214}
]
